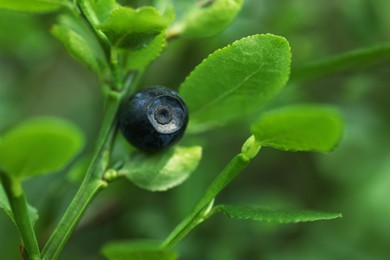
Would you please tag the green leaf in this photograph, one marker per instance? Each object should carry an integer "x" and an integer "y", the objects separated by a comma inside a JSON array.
[
  {"x": 272, "y": 215},
  {"x": 352, "y": 60},
  {"x": 131, "y": 28},
  {"x": 77, "y": 46},
  {"x": 210, "y": 17},
  {"x": 4, "y": 204},
  {"x": 39, "y": 146},
  {"x": 137, "y": 250},
  {"x": 300, "y": 128},
  {"x": 35, "y": 6},
  {"x": 237, "y": 79},
  {"x": 162, "y": 171},
  {"x": 138, "y": 59},
  {"x": 81, "y": 42},
  {"x": 97, "y": 11}
]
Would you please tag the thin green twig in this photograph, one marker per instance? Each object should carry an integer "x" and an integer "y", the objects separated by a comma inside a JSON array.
[
  {"x": 202, "y": 209},
  {"x": 92, "y": 184},
  {"x": 197, "y": 215}
]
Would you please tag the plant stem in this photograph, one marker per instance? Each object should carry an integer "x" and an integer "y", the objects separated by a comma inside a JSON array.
[
  {"x": 91, "y": 185},
  {"x": 71, "y": 218},
  {"x": 18, "y": 204},
  {"x": 197, "y": 215}
]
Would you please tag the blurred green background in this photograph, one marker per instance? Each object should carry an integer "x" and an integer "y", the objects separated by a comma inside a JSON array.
[{"x": 37, "y": 77}]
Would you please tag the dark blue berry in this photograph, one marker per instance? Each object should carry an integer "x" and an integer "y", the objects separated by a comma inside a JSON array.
[{"x": 153, "y": 119}]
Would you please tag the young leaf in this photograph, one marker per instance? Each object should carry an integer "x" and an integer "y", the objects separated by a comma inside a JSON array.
[
  {"x": 300, "y": 128},
  {"x": 250, "y": 148},
  {"x": 35, "y": 6},
  {"x": 210, "y": 17},
  {"x": 142, "y": 250},
  {"x": 4, "y": 204},
  {"x": 272, "y": 215},
  {"x": 80, "y": 42},
  {"x": 237, "y": 79},
  {"x": 138, "y": 59},
  {"x": 132, "y": 29},
  {"x": 97, "y": 11},
  {"x": 162, "y": 171},
  {"x": 77, "y": 46},
  {"x": 39, "y": 146}
]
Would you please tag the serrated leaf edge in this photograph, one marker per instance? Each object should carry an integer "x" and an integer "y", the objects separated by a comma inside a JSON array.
[{"x": 223, "y": 49}]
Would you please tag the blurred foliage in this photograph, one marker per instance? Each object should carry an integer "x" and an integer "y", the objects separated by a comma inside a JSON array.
[{"x": 38, "y": 78}]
